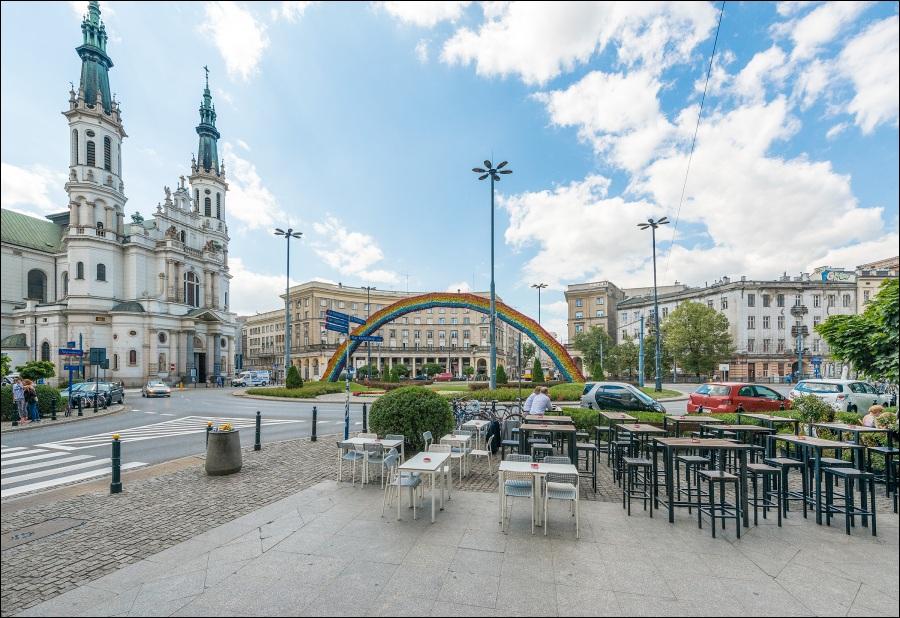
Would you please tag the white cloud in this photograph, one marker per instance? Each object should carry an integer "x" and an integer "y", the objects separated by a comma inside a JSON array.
[
  {"x": 249, "y": 200},
  {"x": 224, "y": 95},
  {"x": 768, "y": 66},
  {"x": 81, "y": 8},
  {"x": 290, "y": 11},
  {"x": 820, "y": 26},
  {"x": 836, "y": 130},
  {"x": 860, "y": 253},
  {"x": 253, "y": 292},
  {"x": 422, "y": 50},
  {"x": 539, "y": 40},
  {"x": 239, "y": 37},
  {"x": 788, "y": 8},
  {"x": 35, "y": 190},
  {"x": 426, "y": 14},
  {"x": 350, "y": 253},
  {"x": 243, "y": 144},
  {"x": 459, "y": 286},
  {"x": 871, "y": 60}
]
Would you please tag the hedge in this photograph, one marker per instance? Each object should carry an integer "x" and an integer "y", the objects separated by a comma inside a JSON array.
[
  {"x": 47, "y": 397},
  {"x": 411, "y": 411}
]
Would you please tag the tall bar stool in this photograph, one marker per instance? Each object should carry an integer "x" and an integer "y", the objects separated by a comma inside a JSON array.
[
  {"x": 692, "y": 465},
  {"x": 887, "y": 477},
  {"x": 601, "y": 439},
  {"x": 850, "y": 476},
  {"x": 540, "y": 450},
  {"x": 590, "y": 461},
  {"x": 638, "y": 483},
  {"x": 771, "y": 486},
  {"x": 723, "y": 509},
  {"x": 785, "y": 465}
]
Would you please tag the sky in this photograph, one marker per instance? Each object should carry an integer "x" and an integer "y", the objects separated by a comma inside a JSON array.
[{"x": 358, "y": 124}]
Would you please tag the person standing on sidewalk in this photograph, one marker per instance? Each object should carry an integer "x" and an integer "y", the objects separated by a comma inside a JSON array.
[
  {"x": 19, "y": 398},
  {"x": 31, "y": 401}
]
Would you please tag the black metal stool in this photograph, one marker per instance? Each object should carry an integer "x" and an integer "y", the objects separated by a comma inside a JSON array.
[
  {"x": 785, "y": 465},
  {"x": 539, "y": 450},
  {"x": 602, "y": 445},
  {"x": 692, "y": 464},
  {"x": 590, "y": 461},
  {"x": 771, "y": 481},
  {"x": 638, "y": 484},
  {"x": 851, "y": 476},
  {"x": 887, "y": 474},
  {"x": 620, "y": 448},
  {"x": 723, "y": 510}
]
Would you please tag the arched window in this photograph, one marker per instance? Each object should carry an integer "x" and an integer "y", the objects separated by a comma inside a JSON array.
[
  {"x": 101, "y": 272},
  {"x": 37, "y": 285},
  {"x": 197, "y": 199},
  {"x": 183, "y": 236},
  {"x": 132, "y": 357},
  {"x": 45, "y": 351},
  {"x": 207, "y": 207},
  {"x": 91, "y": 153},
  {"x": 191, "y": 290},
  {"x": 79, "y": 270},
  {"x": 119, "y": 158},
  {"x": 107, "y": 154},
  {"x": 74, "y": 146},
  {"x": 65, "y": 283},
  {"x": 218, "y": 205}
]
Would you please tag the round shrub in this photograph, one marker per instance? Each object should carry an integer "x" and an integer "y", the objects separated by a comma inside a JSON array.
[
  {"x": 411, "y": 411},
  {"x": 293, "y": 379}
]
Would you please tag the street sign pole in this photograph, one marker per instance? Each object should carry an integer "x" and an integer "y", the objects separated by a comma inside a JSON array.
[
  {"x": 347, "y": 390},
  {"x": 641, "y": 355}
]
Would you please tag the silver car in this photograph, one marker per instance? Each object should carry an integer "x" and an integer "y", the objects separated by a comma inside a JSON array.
[{"x": 842, "y": 395}]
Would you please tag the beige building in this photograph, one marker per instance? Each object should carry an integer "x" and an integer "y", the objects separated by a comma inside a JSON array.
[
  {"x": 455, "y": 338},
  {"x": 869, "y": 278},
  {"x": 593, "y": 304}
]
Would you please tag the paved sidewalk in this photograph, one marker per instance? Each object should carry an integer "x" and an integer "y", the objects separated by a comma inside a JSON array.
[
  {"x": 88, "y": 413},
  {"x": 326, "y": 550}
]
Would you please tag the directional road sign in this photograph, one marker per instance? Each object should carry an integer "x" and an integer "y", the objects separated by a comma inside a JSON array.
[
  {"x": 337, "y": 314},
  {"x": 356, "y": 320},
  {"x": 71, "y": 367},
  {"x": 70, "y": 352},
  {"x": 372, "y": 338},
  {"x": 338, "y": 328}
]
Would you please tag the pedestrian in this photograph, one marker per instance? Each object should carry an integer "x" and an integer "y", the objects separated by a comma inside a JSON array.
[
  {"x": 31, "y": 401},
  {"x": 541, "y": 402},
  {"x": 871, "y": 418},
  {"x": 19, "y": 398},
  {"x": 527, "y": 406}
]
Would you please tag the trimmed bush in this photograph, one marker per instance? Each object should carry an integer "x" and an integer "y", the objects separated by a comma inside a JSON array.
[
  {"x": 293, "y": 379},
  {"x": 411, "y": 411},
  {"x": 537, "y": 372},
  {"x": 501, "y": 375},
  {"x": 48, "y": 396}
]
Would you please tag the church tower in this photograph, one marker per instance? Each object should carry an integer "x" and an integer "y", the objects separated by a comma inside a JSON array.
[
  {"x": 207, "y": 172},
  {"x": 95, "y": 188}
]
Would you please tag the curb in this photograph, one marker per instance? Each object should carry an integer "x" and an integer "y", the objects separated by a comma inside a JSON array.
[{"x": 63, "y": 420}]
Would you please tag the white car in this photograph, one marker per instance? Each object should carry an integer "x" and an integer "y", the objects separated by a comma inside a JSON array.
[
  {"x": 842, "y": 395},
  {"x": 156, "y": 388}
]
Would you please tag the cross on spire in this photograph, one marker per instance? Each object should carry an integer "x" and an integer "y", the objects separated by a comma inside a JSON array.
[{"x": 206, "y": 69}]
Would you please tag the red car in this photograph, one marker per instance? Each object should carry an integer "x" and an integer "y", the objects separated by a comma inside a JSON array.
[
  {"x": 722, "y": 397},
  {"x": 443, "y": 377}
]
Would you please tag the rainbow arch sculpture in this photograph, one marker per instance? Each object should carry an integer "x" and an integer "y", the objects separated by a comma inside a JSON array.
[{"x": 532, "y": 329}]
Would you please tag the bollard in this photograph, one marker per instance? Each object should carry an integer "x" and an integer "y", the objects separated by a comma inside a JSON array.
[
  {"x": 209, "y": 427},
  {"x": 80, "y": 406},
  {"x": 493, "y": 409},
  {"x": 365, "y": 419},
  {"x": 116, "y": 486},
  {"x": 257, "y": 446},
  {"x": 700, "y": 410},
  {"x": 53, "y": 410},
  {"x": 96, "y": 398},
  {"x": 781, "y": 406},
  {"x": 312, "y": 438}
]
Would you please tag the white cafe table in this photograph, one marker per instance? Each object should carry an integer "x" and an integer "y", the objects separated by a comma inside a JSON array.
[
  {"x": 476, "y": 424},
  {"x": 387, "y": 444},
  {"x": 434, "y": 466},
  {"x": 538, "y": 472},
  {"x": 461, "y": 441}
]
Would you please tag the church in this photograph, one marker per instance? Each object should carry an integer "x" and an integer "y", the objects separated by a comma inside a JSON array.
[{"x": 153, "y": 294}]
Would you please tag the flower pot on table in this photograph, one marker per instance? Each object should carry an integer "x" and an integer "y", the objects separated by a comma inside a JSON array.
[{"x": 223, "y": 453}]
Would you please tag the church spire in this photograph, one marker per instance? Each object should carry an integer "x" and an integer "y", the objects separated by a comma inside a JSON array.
[
  {"x": 207, "y": 152},
  {"x": 95, "y": 64}
]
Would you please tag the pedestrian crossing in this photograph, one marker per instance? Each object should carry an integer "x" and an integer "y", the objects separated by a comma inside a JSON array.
[
  {"x": 27, "y": 469},
  {"x": 165, "y": 429}
]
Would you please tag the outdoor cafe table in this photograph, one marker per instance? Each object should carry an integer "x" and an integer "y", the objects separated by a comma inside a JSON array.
[
  {"x": 387, "y": 444},
  {"x": 462, "y": 441},
  {"x": 611, "y": 418},
  {"x": 538, "y": 471},
  {"x": 640, "y": 431},
  {"x": 556, "y": 420},
  {"x": 527, "y": 428},
  {"x": 677, "y": 420},
  {"x": 672, "y": 445},
  {"x": 434, "y": 466},
  {"x": 477, "y": 425},
  {"x": 816, "y": 445},
  {"x": 771, "y": 421},
  {"x": 856, "y": 430}
]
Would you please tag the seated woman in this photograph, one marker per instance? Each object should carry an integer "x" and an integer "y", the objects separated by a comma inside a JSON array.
[{"x": 869, "y": 419}]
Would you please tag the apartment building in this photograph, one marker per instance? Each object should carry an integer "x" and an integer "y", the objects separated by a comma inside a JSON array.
[
  {"x": 592, "y": 304},
  {"x": 869, "y": 278}
]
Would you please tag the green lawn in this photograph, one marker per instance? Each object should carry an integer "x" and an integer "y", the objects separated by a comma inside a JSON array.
[
  {"x": 665, "y": 394},
  {"x": 309, "y": 390}
]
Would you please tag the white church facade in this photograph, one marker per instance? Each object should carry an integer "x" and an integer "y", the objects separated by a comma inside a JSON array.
[{"x": 153, "y": 293}]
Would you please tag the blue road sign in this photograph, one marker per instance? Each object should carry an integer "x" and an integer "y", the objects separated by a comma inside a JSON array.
[
  {"x": 71, "y": 344},
  {"x": 70, "y": 352},
  {"x": 337, "y": 327},
  {"x": 71, "y": 367},
  {"x": 356, "y": 320},
  {"x": 372, "y": 338},
  {"x": 337, "y": 314}
]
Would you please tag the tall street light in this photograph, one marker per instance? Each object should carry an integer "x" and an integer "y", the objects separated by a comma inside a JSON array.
[
  {"x": 539, "y": 287},
  {"x": 653, "y": 225},
  {"x": 493, "y": 172},
  {"x": 368, "y": 289},
  {"x": 290, "y": 233}
]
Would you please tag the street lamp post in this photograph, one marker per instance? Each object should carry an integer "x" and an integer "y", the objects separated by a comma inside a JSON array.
[
  {"x": 368, "y": 289},
  {"x": 493, "y": 172},
  {"x": 288, "y": 234},
  {"x": 539, "y": 287},
  {"x": 653, "y": 225}
]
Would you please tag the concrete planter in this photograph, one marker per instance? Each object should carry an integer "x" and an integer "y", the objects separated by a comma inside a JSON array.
[{"x": 223, "y": 453}]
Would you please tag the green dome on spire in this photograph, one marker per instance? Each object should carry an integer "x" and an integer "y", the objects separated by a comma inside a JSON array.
[
  {"x": 95, "y": 64},
  {"x": 207, "y": 152}
]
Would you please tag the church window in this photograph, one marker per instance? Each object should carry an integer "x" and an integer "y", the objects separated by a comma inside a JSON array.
[
  {"x": 218, "y": 205},
  {"x": 115, "y": 362},
  {"x": 119, "y": 159},
  {"x": 91, "y": 153},
  {"x": 132, "y": 357},
  {"x": 37, "y": 285},
  {"x": 45, "y": 351},
  {"x": 192, "y": 290},
  {"x": 207, "y": 207},
  {"x": 183, "y": 236},
  {"x": 107, "y": 154},
  {"x": 79, "y": 270},
  {"x": 197, "y": 199},
  {"x": 65, "y": 283},
  {"x": 101, "y": 272},
  {"x": 74, "y": 147}
]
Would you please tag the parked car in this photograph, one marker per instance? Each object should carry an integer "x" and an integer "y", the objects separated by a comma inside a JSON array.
[
  {"x": 443, "y": 377},
  {"x": 618, "y": 396},
  {"x": 10, "y": 377},
  {"x": 156, "y": 388},
  {"x": 725, "y": 397},
  {"x": 842, "y": 395},
  {"x": 111, "y": 392},
  {"x": 251, "y": 378}
]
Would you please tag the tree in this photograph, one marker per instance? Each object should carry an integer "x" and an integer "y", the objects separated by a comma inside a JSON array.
[
  {"x": 537, "y": 372},
  {"x": 594, "y": 344},
  {"x": 399, "y": 371},
  {"x": 623, "y": 359},
  {"x": 35, "y": 370},
  {"x": 697, "y": 336},
  {"x": 293, "y": 379},
  {"x": 868, "y": 341},
  {"x": 4, "y": 365},
  {"x": 367, "y": 371},
  {"x": 597, "y": 372},
  {"x": 501, "y": 375},
  {"x": 429, "y": 369},
  {"x": 469, "y": 370},
  {"x": 528, "y": 352}
]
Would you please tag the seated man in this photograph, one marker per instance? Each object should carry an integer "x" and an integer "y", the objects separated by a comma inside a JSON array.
[
  {"x": 527, "y": 405},
  {"x": 541, "y": 402}
]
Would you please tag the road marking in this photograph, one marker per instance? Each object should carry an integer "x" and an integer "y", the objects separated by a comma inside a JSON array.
[
  {"x": 43, "y": 473},
  {"x": 8, "y": 456},
  {"x": 14, "y": 491},
  {"x": 135, "y": 410},
  {"x": 45, "y": 455},
  {"x": 167, "y": 414},
  {"x": 149, "y": 412},
  {"x": 8, "y": 449},
  {"x": 7, "y": 470}
]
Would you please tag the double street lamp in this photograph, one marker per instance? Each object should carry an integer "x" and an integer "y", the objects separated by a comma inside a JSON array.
[
  {"x": 539, "y": 287},
  {"x": 653, "y": 225},
  {"x": 288, "y": 234},
  {"x": 494, "y": 173}
]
